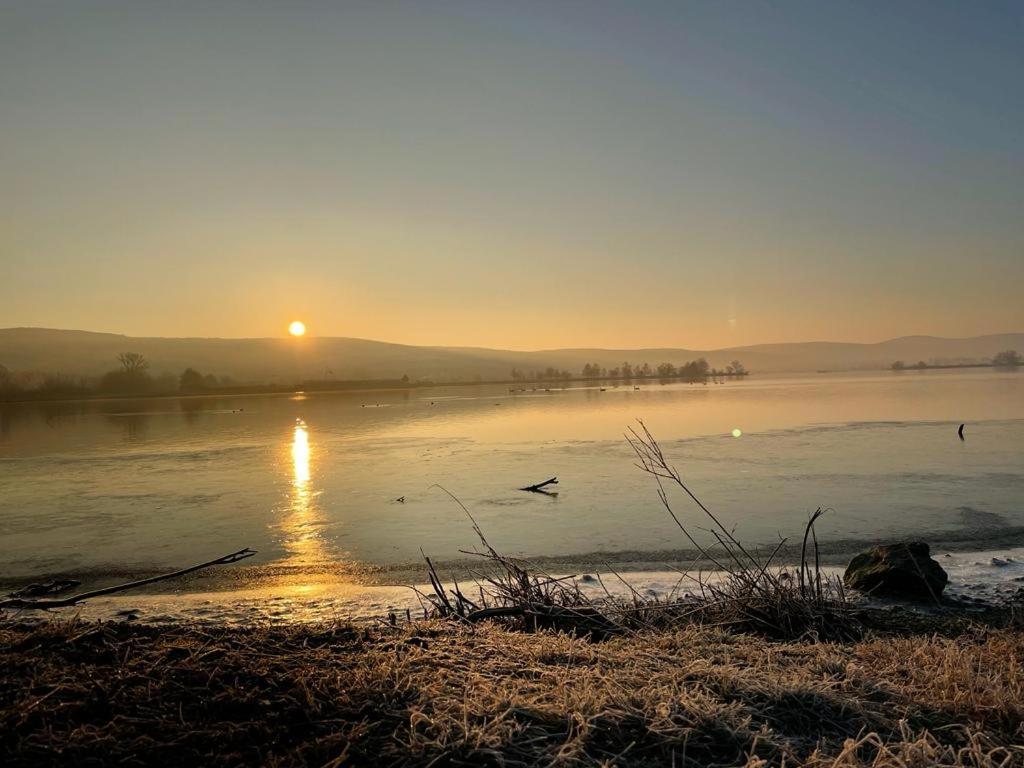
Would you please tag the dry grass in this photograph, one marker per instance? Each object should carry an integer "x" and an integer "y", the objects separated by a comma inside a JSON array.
[
  {"x": 439, "y": 693},
  {"x": 749, "y": 592}
]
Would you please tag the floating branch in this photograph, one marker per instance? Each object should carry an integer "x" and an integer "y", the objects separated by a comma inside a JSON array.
[
  {"x": 18, "y": 602},
  {"x": 539, "y": 487}
]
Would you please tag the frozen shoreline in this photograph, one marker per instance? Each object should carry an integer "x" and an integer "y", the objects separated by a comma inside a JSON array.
[{"x": 979, "y": 577}]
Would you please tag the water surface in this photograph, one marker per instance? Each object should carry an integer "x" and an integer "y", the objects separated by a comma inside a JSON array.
[{"x": 114, "y": 487}]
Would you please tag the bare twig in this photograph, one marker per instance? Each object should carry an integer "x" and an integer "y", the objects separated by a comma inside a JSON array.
[
  {"x": 64, "y": 602},
  {"x": 539, "y": 487}
]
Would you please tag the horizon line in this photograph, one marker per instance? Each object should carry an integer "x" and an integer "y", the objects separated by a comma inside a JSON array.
[{"x": 504, "y": 349}]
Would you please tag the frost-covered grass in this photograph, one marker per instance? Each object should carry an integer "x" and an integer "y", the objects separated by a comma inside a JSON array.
[{"x": 444, "y": 693}]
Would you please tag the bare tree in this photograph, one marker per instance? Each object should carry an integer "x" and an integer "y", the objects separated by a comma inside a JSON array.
[
  {"x": 132, "y": 362},
  {"x": 1007, "y": 359}
]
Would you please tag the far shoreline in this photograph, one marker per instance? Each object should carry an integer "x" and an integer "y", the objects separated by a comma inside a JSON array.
[
  {"x": 356, "y": 386},
  {"x": 370, "y": 385}
]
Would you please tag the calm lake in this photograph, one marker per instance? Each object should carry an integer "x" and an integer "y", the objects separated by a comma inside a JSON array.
[{"x": 113, "y": 487}]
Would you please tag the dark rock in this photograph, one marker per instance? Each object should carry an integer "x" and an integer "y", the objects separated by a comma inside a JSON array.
[{"x": 905, "y": 570}]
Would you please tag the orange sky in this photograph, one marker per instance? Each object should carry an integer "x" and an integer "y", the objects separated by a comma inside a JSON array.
[{"x": 526, "y": 176}]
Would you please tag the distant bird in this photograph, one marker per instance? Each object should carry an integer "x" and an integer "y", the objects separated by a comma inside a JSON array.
[
  {"x": 961, "y": 431},
  {"x": 400, "y": 499}
]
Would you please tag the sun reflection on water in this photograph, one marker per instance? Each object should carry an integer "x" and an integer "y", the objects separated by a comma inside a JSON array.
[
  {"x": 302, "y": 525},
  {"x": 300, "y": 458}
]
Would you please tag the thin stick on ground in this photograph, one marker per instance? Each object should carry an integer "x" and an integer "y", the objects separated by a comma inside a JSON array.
[{"x": 64, "y": 602}]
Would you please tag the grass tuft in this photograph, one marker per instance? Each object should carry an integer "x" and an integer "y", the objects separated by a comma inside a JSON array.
[{"x": 748, "y": 592}]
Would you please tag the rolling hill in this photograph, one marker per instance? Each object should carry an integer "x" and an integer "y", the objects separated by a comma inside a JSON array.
[{"x": 288, "y": 360}]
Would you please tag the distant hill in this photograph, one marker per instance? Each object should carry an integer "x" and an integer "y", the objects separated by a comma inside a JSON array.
[{"x": 289, "y": 360}]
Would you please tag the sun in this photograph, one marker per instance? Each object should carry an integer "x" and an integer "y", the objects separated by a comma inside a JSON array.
[{"x": 297, "y": 328}]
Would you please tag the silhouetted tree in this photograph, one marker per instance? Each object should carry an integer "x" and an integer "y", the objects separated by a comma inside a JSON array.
[
  {"x": 132, "y": 362},
  {"x": 59, "y": 384},
  {"x": 1008, "y": 359},
  {"x": 130, "y": 379},
  {"x": 695, "y": 370},
  {"x": 899, "y": 365},
  {"x": 191, "y": 381},
  {"x": 737, "y": 368}
]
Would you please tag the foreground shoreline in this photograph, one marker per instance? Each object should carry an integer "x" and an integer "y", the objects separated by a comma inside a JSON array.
[
  {"x": 914, "y": 691},
  {"x": 283, "y": 593}
]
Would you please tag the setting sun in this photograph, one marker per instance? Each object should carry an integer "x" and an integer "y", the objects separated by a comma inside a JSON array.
[{"x": 297, "y": 328}]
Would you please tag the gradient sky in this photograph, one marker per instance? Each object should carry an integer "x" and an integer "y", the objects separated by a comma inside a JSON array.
[{"x": 522, "y": 175}]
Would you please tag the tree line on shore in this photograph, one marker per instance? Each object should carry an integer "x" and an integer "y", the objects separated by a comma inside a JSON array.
[
  {"x": 131, "y": 377},
  {"x": 1008, "y": 359},
  {"x": 698, "y": 370},
  {"x": 694, "y": 370}
]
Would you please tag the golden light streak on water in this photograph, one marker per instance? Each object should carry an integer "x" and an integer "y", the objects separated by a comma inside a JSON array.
[{"x": 303, "y": 522}]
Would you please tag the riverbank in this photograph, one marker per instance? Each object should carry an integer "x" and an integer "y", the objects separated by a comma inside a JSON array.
[
  {"x": 239, "y": 596},
  {"x": 938, "y": 692},
  {"x": 354, "y": 386}
]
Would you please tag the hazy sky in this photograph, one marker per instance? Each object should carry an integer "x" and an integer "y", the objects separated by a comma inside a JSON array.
[{"x": 516, "y": 174}]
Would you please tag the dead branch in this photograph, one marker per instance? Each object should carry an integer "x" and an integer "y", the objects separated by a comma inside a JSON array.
[
  {"x": 539, "y": 487},
  {"x": 18, "y": 602}
]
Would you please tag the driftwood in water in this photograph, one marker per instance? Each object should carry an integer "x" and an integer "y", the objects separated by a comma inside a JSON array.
[
  {"x": 539, "y": 487},
  {"x": 64, "y": 602}
]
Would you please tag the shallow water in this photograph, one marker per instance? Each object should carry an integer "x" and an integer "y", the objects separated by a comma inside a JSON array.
[{"x": 115, "y": 487}]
